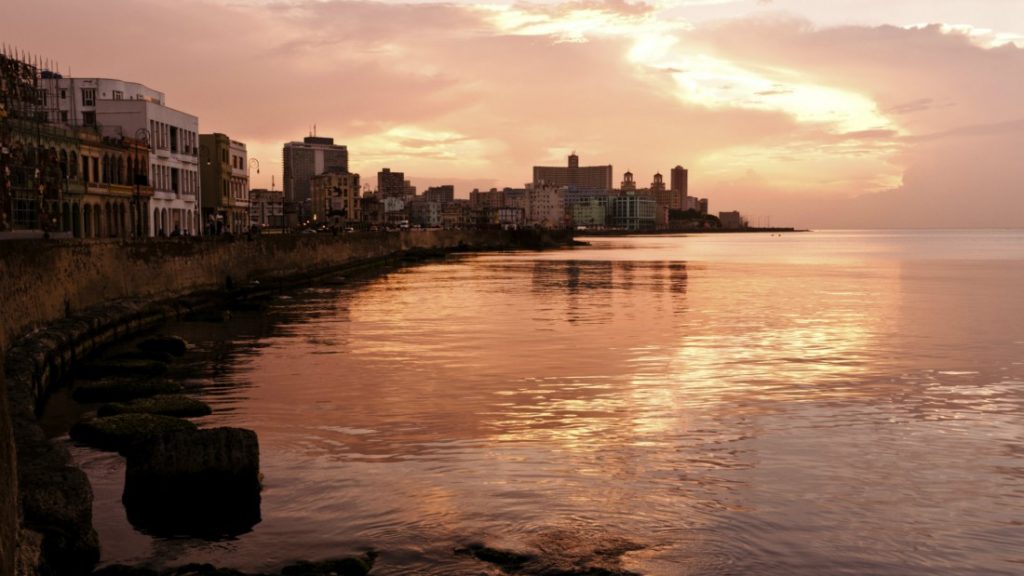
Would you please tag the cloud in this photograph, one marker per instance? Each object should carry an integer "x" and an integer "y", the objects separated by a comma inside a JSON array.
[{"x": 919, "y": 123}]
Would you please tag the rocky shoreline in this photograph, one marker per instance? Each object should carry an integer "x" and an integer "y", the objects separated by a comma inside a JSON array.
[{"x": 137, "y": 411}]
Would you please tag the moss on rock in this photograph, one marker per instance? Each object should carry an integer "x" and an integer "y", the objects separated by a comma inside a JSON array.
[
  {"x": 125, "y": 431},
  {"x": 163, "y": 404},
  {"x": 122, "y": 389}
]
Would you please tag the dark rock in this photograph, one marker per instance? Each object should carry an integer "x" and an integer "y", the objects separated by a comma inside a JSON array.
[
  {"x": 122, "y": 570},
  {"x": 124, "y": 367},
  {"x": 125, "y": 431},
  {"x": 202, "y": 570},
  {"x": 343, "y": 567},
  {"x": 169, "y": 344},
  {"x": 202, "y": 483},
  {"x": 122, "y": 389},
  {"x": 163, "y": 404},
  {"x": 155, "y": 355},
  {"x": 504, "y": 559},
  {"x": 57, "y": 503}
]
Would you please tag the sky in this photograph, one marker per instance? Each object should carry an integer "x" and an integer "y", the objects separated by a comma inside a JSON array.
[{"x": 808, "y": 113}]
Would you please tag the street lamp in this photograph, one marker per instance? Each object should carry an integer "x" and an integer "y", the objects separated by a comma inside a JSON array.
[
  {"x": 248, "y": 190},
  {"x": 143, "y": 135}
]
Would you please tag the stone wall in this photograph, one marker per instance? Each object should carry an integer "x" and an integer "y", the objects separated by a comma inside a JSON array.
[
  {"x": 75, "y": 295},
  {"x": 8, "y": 487}
]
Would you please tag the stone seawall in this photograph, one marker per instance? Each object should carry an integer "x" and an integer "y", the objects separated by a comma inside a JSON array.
[{"x": 71, "y": 297}]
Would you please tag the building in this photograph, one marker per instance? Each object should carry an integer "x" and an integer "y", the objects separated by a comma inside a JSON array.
[
  {"x": 302, "y": 161},
  {"x": 680, "y": 180},
  {"x": 590, "y": 212},
  {"x": 224, "y": 178},
  {"x": 266, "y": 208},
  {"x": 442, "y": 194},
  {"x": 335, "y": 198},
  {"x": 628, "y": 184},
  {"x": 545, "y": 207},
  {"x": 121, "y": 110},
  {"x": 574, "y": 176},
  {"x": 633, "y": 211},
  {"x": 60, "y": 178},
  {"x": 390, "y": 184},
  {"x": 425, "y": 213},
  {"x": 732, "y": 220}
]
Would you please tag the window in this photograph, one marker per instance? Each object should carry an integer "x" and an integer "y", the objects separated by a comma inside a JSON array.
[
  {"x": 174, "y": 181},
  {"x": 63, "y": 115},
  {"x": 89, "y": 118},
  {"x": 173, "y": 136},
  {"x": 118, "y": 95},
  {"x": 88, "y": 96},
  {"x": 63, "y": 94}
]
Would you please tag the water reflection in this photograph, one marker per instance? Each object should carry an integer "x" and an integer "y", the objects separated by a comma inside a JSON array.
[{"x": 799, "y": 405}]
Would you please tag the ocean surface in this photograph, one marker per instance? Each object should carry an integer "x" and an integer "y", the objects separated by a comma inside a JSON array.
[{"x": 797, "y": 404}]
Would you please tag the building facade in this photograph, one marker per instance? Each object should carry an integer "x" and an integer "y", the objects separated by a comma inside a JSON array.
[
  {"x": 224, "y": 171},
  {"x": 266, "y": 208},
  {"x": 633, "y": 211},
  {"x": 574, "y": 176},
  {"x": 304, "y": 160},
  {"x": 442, "y": 194},
  {"x": 60, "y": 178},
  {"x": 391, "y": 184},
  {"x": 128, "y": 110},
  {"x": 335, "y": 198}
]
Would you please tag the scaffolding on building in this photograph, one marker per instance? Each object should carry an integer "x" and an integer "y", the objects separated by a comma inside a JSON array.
[{"x": 32, "y": 178}]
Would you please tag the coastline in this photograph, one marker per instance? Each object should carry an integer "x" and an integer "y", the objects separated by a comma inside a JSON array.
[{"x": 49, "y": 524}]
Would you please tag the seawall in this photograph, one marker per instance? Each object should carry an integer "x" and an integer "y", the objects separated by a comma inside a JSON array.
[{"x": 61, "y": 300}]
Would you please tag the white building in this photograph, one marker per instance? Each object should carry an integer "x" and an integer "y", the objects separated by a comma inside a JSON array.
[
  {"x": 131, "y": 110},
  {"x": 545, "y": 206}
]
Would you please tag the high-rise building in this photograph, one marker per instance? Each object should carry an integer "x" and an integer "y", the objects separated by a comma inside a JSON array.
[
  {"x": 128, "y": 110},
  {"x": 681, "y": 182},
  {"x": 390, "y": 184},
  {"x": 574, "y": 176},
  {"x": 444, "y": 193},
  {"x": 302, "y": 161}
]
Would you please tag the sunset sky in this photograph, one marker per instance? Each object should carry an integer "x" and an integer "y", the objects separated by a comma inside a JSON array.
[{"x": 815, "y": 113}]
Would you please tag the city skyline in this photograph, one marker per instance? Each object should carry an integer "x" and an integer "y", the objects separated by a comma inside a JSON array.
[{"x": 817, "y": 116}]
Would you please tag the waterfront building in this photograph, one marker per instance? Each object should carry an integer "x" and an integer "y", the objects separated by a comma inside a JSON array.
[
  {"x": 590, "y": 212},
  {"x": 457, "y": 214},
  {"x": 224, "y": 178},
  {"x": 302, "y": 161},
  {"x": 633, "y": 211},
  {"x": 680, "y": 183},
  {"x": 126, "y": 111},
  {"x": 442, "y": 194},
  {"x": 60, "y": 178},
  {"x": 390, "y": 184},
  {"x": 425, "y": 213},
  {"x": 335, "y": 198},
  {"x": 574, "y": 176},
  {"x": 628, "y": 184},
  {"x": 545, "y": 206},
  {"x": 371, "y": 210},
  {"x": 266, "y": 208},
  {"x": 732, "y": 220}
]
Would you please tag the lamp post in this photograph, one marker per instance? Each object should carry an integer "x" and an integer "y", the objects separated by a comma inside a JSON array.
[
  {"x": 204, "y": 159},
  {"x": 248, "y": 191},
  {"x": 143, "y": 135}
]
